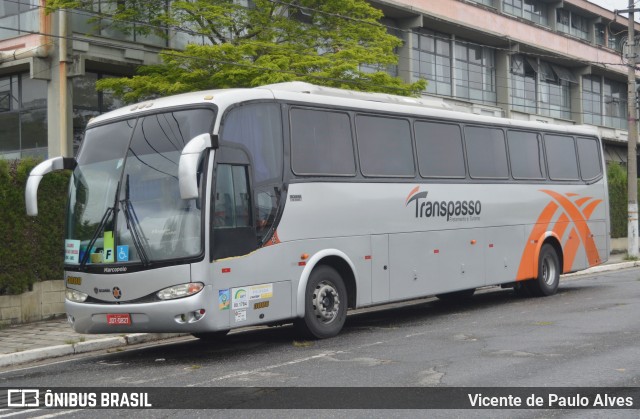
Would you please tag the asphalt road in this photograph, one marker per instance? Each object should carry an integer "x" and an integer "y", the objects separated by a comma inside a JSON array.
[{"x": 588, "y": 334}]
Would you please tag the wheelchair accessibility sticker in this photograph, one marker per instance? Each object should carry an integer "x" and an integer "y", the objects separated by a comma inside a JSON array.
[{"x": 122, "y": 253}]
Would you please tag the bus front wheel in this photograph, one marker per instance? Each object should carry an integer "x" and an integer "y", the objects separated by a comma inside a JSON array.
[{"x": 325, "y": 306}]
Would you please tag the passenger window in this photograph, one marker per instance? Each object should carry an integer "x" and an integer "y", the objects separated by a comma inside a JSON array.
[
  {"x": 384, "y": 146},
  {"x": 526, "y": 155},
  {"x": 561, "y": 157},
  {"x": 486, "y": 153},
  {"x": 589, "y": 155},
  {"x": 439, "y": 149},
  {"x": 321, "y": 143}
]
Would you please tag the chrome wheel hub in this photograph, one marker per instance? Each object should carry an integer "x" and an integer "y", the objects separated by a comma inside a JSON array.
[{"x": 326, "y": 302}]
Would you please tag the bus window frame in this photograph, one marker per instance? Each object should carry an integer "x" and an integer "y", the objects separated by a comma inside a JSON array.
[
  {"x": 406, "y": 119},
  {"x": 292, "y": 107},
  {"x": 502, "y": 129},
  {"x": 539, "y": 137}
]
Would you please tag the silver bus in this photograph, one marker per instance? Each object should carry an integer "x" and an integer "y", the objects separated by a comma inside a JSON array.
[{"x": 210, "y": 211}]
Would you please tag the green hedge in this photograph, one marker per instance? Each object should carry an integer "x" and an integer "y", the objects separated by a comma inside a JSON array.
[
  {"x": 32, "y": 247},
  {"x": 618, "y": 199}
]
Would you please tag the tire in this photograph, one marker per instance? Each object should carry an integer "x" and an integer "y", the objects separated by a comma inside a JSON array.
[
  {"x": 325, "y": 306},
  {"x": 211, "y": 337},
  {"x": 548, "y": 275},
  {"x": 457, "y": 296}
]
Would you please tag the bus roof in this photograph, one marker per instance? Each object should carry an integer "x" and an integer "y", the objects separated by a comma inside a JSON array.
[{"x": 301, "y": 92}]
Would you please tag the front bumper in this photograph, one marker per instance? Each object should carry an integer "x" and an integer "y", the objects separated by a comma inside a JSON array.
[{"x": 171, "y": 316}]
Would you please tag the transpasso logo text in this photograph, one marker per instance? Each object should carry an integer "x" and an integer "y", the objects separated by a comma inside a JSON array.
[{"x": 461, "y": 210}]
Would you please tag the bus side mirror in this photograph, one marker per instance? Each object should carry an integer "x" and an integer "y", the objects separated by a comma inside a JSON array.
[
  {"x": 47, "y": 166},
  {"x": 188, "y": 165}
]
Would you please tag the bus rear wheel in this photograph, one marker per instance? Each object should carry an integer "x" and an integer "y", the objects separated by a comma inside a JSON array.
[
  {"x": 325, "y": 306},
  {"x": 548, "y": 275}
]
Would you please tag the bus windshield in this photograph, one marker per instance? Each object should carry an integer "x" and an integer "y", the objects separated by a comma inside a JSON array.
[{"x": 124, "y": 201}]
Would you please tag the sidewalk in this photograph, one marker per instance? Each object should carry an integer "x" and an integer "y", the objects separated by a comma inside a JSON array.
[{"x": 54, "y": 338}]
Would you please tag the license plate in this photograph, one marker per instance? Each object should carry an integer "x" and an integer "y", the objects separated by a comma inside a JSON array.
[{"x": 118, "y": 319}]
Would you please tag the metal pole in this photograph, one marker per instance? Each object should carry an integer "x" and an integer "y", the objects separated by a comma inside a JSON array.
[{"x": 632, "y": 141}]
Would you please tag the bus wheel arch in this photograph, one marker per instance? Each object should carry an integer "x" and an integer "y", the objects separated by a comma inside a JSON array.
[
  {"x": 329, "y": 263},
  {"x": 553, "y": 240},
  {"x": 548, "y": 267},
  {"x": 555, "y": 243}
]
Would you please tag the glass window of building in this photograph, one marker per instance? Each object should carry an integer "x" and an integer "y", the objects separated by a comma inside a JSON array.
[
  {"x": 572, "y": 23},
  {"x": 19, "y": 18},
  {"x": 592, "y": 99},
  {"x": 475, "y": 73},
  {"x": 541, "y": 87},
  {"x": 604, "y": 102},
  {"x": 532, "y": 10},
  {"x": 615, "y": 39},
  {"x": 23, "y": 117},
  {"x": 523, "y": 92},
  {"x": 579, "y": 26},
  {"x": 473, "y": 76},
  {"x": 555, "y": 99},
  {"x": 615, "y": 104},
  {"x": 92, "y": 19},
  {"x": 563, "y": 20},
  {"x": 432, "y": 55},
  {"x": 601, "y": 34}
]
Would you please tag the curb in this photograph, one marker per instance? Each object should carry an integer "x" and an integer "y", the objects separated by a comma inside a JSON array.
[
  {"x": 92, "y": 345},
  {"x": 605, "y": 268},
  {"x": 137, "y": 338}
]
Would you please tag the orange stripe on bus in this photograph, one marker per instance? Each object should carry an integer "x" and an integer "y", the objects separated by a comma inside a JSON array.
[
  {"x": 580, "y": 225},
  {"x": 571, "y": 247},
  {"x": 570, "y": 194},
  {"x": 588, "y": 211},
  {"x": 528, "y": 268},
  {"x": 580, "y": 202},
  {"x": 561, "y": 225}
]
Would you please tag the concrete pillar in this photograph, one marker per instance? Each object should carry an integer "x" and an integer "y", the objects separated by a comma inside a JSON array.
[
  {"x": 503, "y": 79},
  {"x": 551, "y": 14},
  {"x": 60, "y": 93},
  {"x": 408, "y": 64},
  {"x": 577, "y": 108}
]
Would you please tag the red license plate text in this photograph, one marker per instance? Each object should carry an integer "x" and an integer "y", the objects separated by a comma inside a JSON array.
[{"x": 118, "y": 319}]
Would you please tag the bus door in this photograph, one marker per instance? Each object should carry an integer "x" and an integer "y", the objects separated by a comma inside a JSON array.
[{"x": 233, "y": 229}]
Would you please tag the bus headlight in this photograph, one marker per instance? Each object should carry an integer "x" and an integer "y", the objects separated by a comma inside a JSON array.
[
  {"x": 75, "y": 296},
  {"x": 180, "y": 291}
]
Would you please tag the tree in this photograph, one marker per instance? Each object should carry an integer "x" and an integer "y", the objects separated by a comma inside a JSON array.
[{"x": 326, "y": 42}]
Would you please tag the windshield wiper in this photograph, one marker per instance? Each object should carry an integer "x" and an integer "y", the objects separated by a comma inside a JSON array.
[
  {"x": 133, "y": 225},
  {"x": 108, "y": 212}
]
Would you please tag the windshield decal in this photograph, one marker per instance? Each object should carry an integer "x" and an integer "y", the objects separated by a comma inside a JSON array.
[{"x": 108, "y": 247}]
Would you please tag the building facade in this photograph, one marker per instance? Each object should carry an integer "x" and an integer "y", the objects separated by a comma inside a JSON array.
[{"x": 556, "y": 61}]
